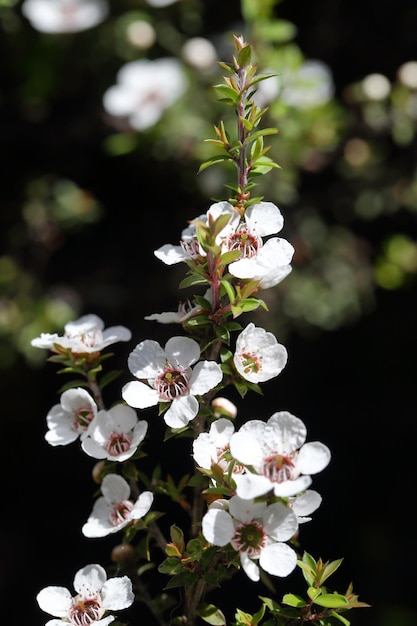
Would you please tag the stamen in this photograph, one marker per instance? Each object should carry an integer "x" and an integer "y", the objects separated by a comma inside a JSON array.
[
  {"x": 117, "y": 443},
  {"x": 120, "y": 512},
  {"x": 191, "y": 247},
  {"x": 90, "y": 338},
  {"x": 244, "y": 241},
  {"x": 251, "y": 362},
  {"x": 171, "y": 384},
  {"x": 279, "y": 468},
  {"x": 85, "y": 612},
  {"x": 249, "y": 538},
  {"x": 83, "y": 417}
]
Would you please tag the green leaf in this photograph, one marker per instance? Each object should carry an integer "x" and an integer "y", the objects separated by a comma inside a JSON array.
[
  {"x": 331, "y": 600},
  {"x": 293, "y": 600},
  {"x": 313, "y": 592},
  {"x": 171, "y": 566},
  {"x": 212, "y": 615},
  {"x": 272, "y": 605},
  {"x": 263, "y": 166},
  {"x": 108, "y": 377},
  {"x": 329, "y": 569},
  {"x": 194, "y": 279},
  {"x": 229, "y": 290},
  {"x": 177, "y": 537},
  {"x": 228, "y": 92},
  {"x": 72, "y": 384},
  {"x": 244, "y": 56},
  {"x": 229, "y": 257},
  {"x": 342, "y": 619},
  {"x": 213, "y": 160}
]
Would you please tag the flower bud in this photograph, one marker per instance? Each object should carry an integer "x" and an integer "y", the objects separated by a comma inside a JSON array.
[
  {"x": 97, "y": 472},
  {"x": 123, "y": 554},
  {"x": 224, "y": 408}
]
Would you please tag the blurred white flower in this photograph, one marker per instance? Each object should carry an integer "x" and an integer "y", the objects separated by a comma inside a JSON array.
[
  {"x": 308, "y": 87},
  {"x": 64, "y": 16},
  {"x": 407, "y": 74},
  {"x": 141, "y": 34},
  {"x": 144, "y": 89},
  {"x": 376, "y": 86},
  {"x": 267, "y": 90},
  {"x": 199, "y": 53}
]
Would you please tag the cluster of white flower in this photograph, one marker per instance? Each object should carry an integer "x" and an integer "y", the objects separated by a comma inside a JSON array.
[{"x": 269, "y": 458}]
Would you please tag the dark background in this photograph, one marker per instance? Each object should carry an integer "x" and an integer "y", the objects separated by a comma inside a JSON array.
[{"x": 354, "y": 387}]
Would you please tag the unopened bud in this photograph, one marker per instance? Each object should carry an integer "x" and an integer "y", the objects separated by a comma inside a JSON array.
[
  {"x": 224, "y": 408},
  {"x": 123, "y": 554},
  {"x": 97, "y": 472}
]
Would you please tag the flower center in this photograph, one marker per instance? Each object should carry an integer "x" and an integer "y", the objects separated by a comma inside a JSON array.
[
  {"x": 250, "y": 362},
  {"x": 171, "y": 384},
  {"x": 85, "y": 611},
  {"x": 120, "y": 512},
  {"x": 244, "y": 241},
  {"x": 249, "y": 538},
  {"x": 279, "y": 468},
  {"x": 89, "y": 338},
  {"x": 83, "y": 416},
  {"x": 191, "y": 247},
  {"x": 117, "y": 443},
  {"x": 224, "y": 458}
]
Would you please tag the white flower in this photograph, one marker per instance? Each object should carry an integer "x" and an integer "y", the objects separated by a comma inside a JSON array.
[
  {"x": 113, "y": 510},
  {"x": 256, "y": 531},
  {"x": 144, "y": 89},
  {"x": 199, "y": 53},
  {"x": 258, "y": 356},
  {"x": 188, "y": 249},
  {"x": 64, "y": 16},
  {"x": 170, "y": 378},
  {"x": 308, "y": 87},
  {"x": 279, "y": 456},
  {"x": 84, "y": 336},
  {"x": 95, "y": 596},
  {"x": 213, "y": 447},
  {"x": 114, "y": 434},
  {"x": 71, "y": 418},
  {"x": 267, "y": 262}
]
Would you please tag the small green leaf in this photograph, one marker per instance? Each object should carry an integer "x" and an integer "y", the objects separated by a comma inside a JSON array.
[
  {"x": 194, "y": 279},
  {"x": 212, "y": 615},
  {"x": 331, "y": 600},
  {"x": 228, "y": 92},
  {"x": 313, "y": 592},
  {"x": 292, "y": 600},
  {"x": 109, "y": 377},
  {"x": 339, "y": 617},
  {"x": 244, "y": 56},
  {"x": 329, "y": 569},
  {"x": 229, "y": 290}
]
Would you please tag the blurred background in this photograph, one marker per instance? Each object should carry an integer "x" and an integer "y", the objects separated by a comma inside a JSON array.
[{"x": 104, "y": 106}]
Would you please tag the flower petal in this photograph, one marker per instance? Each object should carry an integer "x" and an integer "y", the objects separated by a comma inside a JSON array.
[
  {"x": 89, "y": 580},
  {"x": 217, "y": 527},
  {"x": 278, "y": 559},
  {"x": 249, "y": 566},
  {"x": 182, "y": 351},
  {"x": 206, "y": 375},
  {"x": 170, "y": 255},
  {"x": 280, "y": 522},
  {"x": 117, "y": 593},
  {"x": 114, "y": 488},
  {"x": 142, "y": 505},
  {"x": 250, "y": 486},
  {"x": 245, "y": 447},
  {"x": 264, "y": 219},
  {"x": 313, "y": 457},
  {"x": 181, "y": 411},
  {"x": 284, "y": 432},
  {"x": 245, "y": 510},
  {"x": 139, "y": 395},
  {"x": 56, "y": 601},
  {"x": 146, "y": 359}
]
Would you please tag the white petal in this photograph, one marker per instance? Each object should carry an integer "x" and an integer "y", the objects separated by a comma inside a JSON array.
[
  {"x": 313, "y": 457},
  {"x": 249, "y": 566},
  {"x": 117, "y": 593},
  {"x": 142, "y": 505},
  {"x": 292, "y": 487},
  {"x": 245, "y": 510},
  {"x": 139, "y": 433},
  {"x": 274, "y": 276},
  {"x": 123, "y": 417},
  {"x": 74, "y": 399},
  {"x": 114, "y": 488},
  {"x": 306, "y": 503},
  {"x": 139, "y": 395},
  {"x": 93, "y": 448},
  {"x": 217, "y": 527},
  {"x": 264, "y": 219},
  {"x": 146, "y": 359},
  {"x": 170, "y": 255},
  {"x": 204, "y": 450},
  {"x": 250, "y": 486},
  {"x": 181, "y": 411},
  {"x": 206, "y": 375},
  {"x": 116, "y": 333},
  {"x": 55, "y": 600},
  {"x": 182, "y": 351},
  {"x": 280, "y": 522},
  {"x": 246, "y": 448},
  {"x": 221, "y": 431},
  {"x": 99, "y": 523},
  {"x": 89, "y": 580},
  {"x": 285, "y": 432},
  {"x": 278, "y": 559}
]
